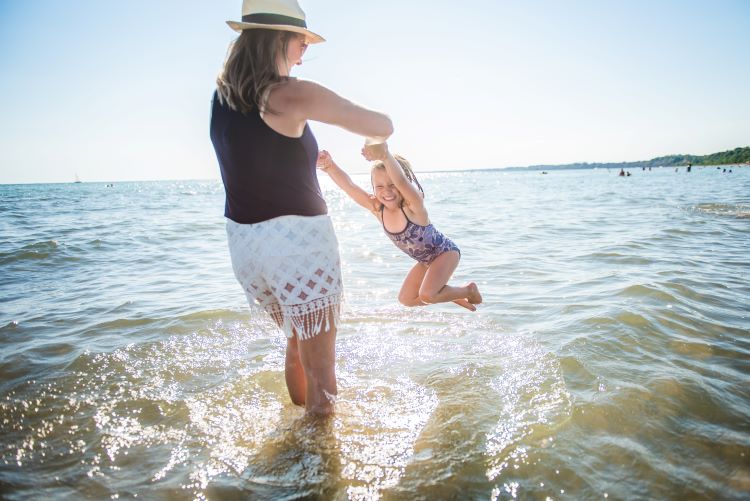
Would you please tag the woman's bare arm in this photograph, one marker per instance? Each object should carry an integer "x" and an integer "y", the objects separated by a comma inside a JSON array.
[{"x": 312, "y": 101}]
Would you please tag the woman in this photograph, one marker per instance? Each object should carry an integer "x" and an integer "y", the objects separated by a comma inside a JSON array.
[{"x": 281, "y": 241}]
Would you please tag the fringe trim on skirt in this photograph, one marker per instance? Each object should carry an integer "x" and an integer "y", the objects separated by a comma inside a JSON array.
[{"x": 308, "y": 319}]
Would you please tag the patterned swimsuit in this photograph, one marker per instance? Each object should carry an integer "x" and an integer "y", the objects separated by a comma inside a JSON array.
[{"x": 423, "y": 243}]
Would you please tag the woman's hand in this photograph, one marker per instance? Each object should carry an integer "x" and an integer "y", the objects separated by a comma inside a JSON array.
[
  {"x": 375, "y": 151},
  {"x": 324, "y": 161}
]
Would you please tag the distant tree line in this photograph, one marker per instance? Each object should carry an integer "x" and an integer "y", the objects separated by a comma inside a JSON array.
[{"x": 735, "y": 156}]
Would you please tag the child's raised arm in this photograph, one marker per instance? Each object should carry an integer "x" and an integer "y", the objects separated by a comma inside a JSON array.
[
  {"x": 342, "y": 179},
  {"x": 411, "y": 194}
]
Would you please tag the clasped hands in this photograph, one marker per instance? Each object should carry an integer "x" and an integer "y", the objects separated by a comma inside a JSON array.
[{"x": 374, "y": 152}]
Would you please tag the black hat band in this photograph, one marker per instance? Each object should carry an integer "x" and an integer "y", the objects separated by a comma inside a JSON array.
[{"x": 274, "y": 19}]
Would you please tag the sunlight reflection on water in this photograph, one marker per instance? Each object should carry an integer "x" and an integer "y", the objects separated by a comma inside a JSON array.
[{"x": 212, "y": 406}]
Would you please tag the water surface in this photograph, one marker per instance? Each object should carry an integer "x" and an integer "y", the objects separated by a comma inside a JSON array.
[{"x": 611, "y": 358}]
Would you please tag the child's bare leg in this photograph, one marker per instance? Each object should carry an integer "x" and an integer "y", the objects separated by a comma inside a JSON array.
[
  {"x": 409, "y": 294},
  {"x": 434, "y": 287}
]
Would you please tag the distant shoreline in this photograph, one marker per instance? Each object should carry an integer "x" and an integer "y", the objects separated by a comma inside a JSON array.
[
  {"x": 738, "y": 156},
  {"x": 548, "y": 168},
  {"x": 626, "y": 166}
]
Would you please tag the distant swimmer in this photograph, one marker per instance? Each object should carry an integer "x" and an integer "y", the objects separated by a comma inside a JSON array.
[
  {"x": 622, "y": 173},
  {"x": 398, "y": 203}
]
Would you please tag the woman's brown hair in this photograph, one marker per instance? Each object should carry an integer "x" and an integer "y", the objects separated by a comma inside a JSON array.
[{"x": 251, "y": 68}]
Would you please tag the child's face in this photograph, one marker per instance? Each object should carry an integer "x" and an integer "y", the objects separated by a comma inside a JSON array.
[{"x": 384, "y": 190}]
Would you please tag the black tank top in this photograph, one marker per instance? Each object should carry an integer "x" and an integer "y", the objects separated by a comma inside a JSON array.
[{"x": 265, "y": 174}]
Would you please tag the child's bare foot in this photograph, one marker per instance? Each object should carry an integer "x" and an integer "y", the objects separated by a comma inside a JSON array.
[
  {"x": 465, "y": 304},
  {"x": 474, "y": 296}
]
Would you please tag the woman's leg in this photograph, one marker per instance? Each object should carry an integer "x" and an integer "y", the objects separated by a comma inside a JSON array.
[
  {"x": 318, "y": 357},
  {"x": 294, "y": 372},
  {"x": 434, "y": 287}
]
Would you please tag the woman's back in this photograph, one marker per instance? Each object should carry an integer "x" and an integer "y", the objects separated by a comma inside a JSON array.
[{"x": 266, "y": 174}]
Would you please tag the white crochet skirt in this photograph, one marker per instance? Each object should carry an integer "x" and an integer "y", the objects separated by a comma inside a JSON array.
[{"x": 289, "y": 266}]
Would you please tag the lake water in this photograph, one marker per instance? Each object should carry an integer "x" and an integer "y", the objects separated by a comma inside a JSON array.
[{"x": 610, "y": 359}]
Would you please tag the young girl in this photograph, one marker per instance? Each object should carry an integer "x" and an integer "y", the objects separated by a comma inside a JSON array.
[{"x": 399, "y": 206}]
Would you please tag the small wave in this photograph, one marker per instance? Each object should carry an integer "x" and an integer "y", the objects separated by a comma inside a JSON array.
[
  {"x": 193, "y": 319},
  {"x": 124, "y": 320},
  {"x": 35, "y": 251},
  {"x": 9, "y": 326},
  {"x": 47, "y": 252},
  {"x": 616, "y": 257},
  {"x": 739, "y": 211},
  {"x": 576, "y": 374},
  {"x": 679, "y": 232},
  {"x": 632, "y": 319},
  {"x": 643, "y": 291}
]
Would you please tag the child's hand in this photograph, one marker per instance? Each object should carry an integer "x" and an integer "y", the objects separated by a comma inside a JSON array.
[
  {"x": 375, "y": 151},
  {"x": 324, "y": 161}
]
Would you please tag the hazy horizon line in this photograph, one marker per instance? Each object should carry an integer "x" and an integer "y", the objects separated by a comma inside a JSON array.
[{"x": 531, "y": 168}]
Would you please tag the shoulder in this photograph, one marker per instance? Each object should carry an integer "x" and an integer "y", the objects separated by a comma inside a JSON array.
[
  {"x": 296, "y": 88},
  {"x": 417, "y": 213},
  {"x": 298, "y": 96}
]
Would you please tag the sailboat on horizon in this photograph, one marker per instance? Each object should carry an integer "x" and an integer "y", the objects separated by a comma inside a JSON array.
[{"x": 78, "y": 179}]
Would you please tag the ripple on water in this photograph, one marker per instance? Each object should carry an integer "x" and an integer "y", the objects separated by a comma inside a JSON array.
[
  {"x": 616, "y": 257},
  {"x": 35, "y": 251},
  {"x": 208, "y": 412},
  {"x": 647, "y": 291},
  {"x": 10, "y": 326},
  {"x": 739, "y": 210},
  {"x": 48, "y": 253}
]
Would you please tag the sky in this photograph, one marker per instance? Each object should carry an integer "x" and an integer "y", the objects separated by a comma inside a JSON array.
[{"x": 116, "y": 91}]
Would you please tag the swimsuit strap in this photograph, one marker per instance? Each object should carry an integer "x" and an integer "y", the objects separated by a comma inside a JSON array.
[
  {"x": 407, "y": 217},
  {"x": 382, "y": 220}
]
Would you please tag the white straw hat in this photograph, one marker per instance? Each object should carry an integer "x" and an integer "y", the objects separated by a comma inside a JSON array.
[{"x": 283, "y": 15}]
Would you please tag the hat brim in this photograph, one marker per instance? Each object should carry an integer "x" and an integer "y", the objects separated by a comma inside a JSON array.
[{"x": 311, "y": 37}]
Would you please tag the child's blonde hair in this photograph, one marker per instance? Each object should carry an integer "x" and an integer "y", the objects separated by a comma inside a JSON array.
[{"x": 405, "y": 166}]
